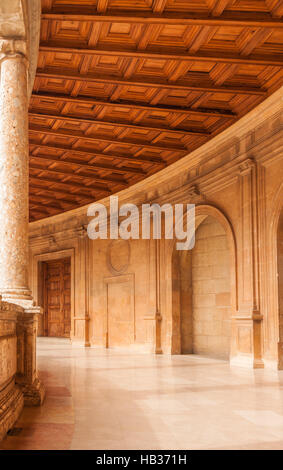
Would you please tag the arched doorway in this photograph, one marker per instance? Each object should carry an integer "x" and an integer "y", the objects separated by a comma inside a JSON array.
[
  {"x": 202, "y": 300},
  {"x": 280, "y": 288}
]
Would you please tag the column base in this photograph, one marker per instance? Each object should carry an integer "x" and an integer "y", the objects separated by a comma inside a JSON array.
[
  {"x": 20, "y": 297},
  {"x": 34, "y": 393},
  {"x": 11, "y": 406},
  {"x": 247, "y": 362}
]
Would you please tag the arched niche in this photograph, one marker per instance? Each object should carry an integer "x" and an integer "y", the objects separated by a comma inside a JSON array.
[{"x": 194, "y": 287}]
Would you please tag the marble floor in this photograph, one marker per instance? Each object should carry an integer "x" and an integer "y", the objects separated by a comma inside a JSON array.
[{"x": 97, "y": 399}]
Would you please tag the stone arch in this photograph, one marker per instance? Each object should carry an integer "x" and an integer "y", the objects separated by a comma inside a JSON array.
[{"x": 182, "y": 280}]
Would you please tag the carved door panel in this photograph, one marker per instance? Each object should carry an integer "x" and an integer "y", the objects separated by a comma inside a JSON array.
[{"x": 57, "y": 290}]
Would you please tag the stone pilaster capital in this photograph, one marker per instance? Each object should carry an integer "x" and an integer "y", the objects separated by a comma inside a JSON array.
[
  {"x": 81, "y": 232},
  {"x": 193, "y": 191},
  {"x": 11, "y": 48},
  {"x": 52, "y": 241},
  {"x": 246, "y": 166},
  {"x": 195, "y": 195}
]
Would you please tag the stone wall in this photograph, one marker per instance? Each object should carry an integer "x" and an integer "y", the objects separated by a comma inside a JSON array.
[
  {"x": 236, "y": 178},
  {"x": 211, "y": 291}
]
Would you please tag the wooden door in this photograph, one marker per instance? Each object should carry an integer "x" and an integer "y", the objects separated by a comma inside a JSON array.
[{"x": 57, "y": 298}]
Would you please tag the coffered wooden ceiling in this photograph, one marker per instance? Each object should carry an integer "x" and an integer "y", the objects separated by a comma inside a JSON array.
[{"x": 126, "y": 87}]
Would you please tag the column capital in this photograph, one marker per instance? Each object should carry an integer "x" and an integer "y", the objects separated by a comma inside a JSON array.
[{"x": 11, "y": 48}]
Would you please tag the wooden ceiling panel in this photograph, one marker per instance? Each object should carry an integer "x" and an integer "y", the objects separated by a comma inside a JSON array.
[
  {"x": 213, "y": 7},
  {"x": 125, "y": 88}
]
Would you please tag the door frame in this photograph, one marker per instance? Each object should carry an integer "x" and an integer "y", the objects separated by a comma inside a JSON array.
[
  {"x": 53, "y": 256},
  {"x": 44, "y": 272}
]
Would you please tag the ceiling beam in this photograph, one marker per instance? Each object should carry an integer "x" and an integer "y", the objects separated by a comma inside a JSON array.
[
  {"x": 34, "y": 209},
  {"x": 249, "y": 19},
  {"x": 72, "y": 184},
  {"x": 159, "y": 55},
  {"x": 115, "y": 81},
  {"x": 69, "y": 186},
  {"x": 102, "y": 6},
  {"x": 276, "y": 7},
  {"x": 66, "y": 173},
  {"x": 34, "y": 200},
  {"x": 93, "y": 154},
  {"x": 158, "y": 6},
  {"x": 43, "y": 130},
  {"x": 218, "y": 6},
  {"x": 37, "y": 188},
  {"x": 66, "y": 117},
  {"x": 54, "y": 191},
  {"x": 89, "y": 166},
  {"x": 52, "y": 210},
  {"x": 43, "y": 207},
  {"x": 33, "y": 195},
  {"x": 170, "y": 109}
]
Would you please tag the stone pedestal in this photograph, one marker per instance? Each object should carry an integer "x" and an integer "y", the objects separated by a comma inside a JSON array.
[
  {"x": 32, "y": 388},
  {"x": 246, "y": 341},
  {"x": 11, "y": 405},
  {"x": 11, "y": 396}
]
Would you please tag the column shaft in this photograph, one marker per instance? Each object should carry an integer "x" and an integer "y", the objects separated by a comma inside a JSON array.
[{"x": 14, "y": 155}]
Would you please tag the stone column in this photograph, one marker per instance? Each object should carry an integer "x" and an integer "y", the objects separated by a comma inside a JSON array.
[
  {"x": 14, "y": 174},
  {"x": 14, "y": 216}
]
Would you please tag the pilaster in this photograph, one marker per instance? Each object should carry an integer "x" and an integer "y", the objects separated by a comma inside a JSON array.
[
  {"x": 246, "y": 347},
  {"x": 81, "y": 233}
]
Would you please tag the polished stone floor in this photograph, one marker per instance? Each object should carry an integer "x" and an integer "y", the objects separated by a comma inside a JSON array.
[{"x": 118, "y": 400}]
